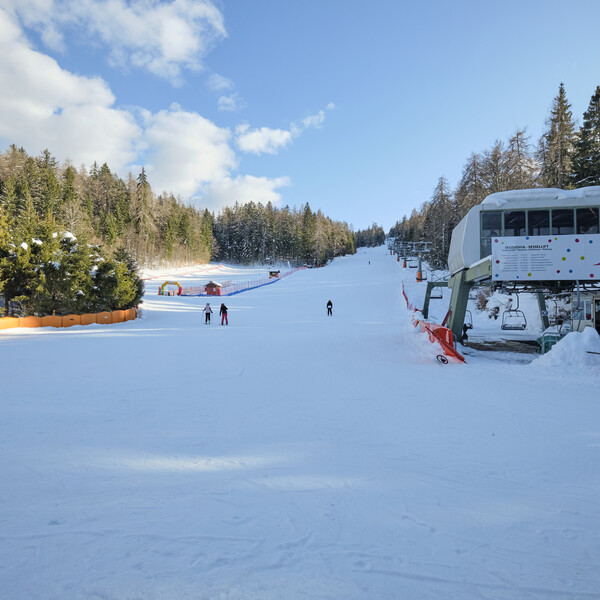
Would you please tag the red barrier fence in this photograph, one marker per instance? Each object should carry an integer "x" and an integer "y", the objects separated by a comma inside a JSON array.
[{"x": 437, "y": 333}]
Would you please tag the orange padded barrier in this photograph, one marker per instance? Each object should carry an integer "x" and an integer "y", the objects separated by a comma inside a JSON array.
[
  {"x": 9, "y": 322},
  {"x": 30, "y": 322},
  {"x": 443, "y": 335},
  {"x": 88, "y": 319},
  {"x": 51, "y": 322},
  {"x": 118, "y": 316},
  {"x": 103, "y": 318},
  {"x": 70, "y": 320}
]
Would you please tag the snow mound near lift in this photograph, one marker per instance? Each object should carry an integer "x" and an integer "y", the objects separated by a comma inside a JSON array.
[{"x": 576, "y": 349}]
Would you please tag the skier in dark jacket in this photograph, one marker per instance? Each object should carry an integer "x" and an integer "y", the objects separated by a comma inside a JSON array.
[
  {"x": 330, "y": 308},
  {"x": 223, "y": 313}
]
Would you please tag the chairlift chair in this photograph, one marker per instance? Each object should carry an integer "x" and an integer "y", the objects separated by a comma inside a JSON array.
[
  {"x": 413, "y": 263},
  {"x": 513, "y": 319}
]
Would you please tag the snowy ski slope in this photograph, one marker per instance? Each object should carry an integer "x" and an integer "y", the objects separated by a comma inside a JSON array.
[{"x": 294, "y": 455}]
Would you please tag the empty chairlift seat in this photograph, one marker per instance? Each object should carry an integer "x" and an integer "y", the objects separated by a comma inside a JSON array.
[{"x": 513, "y": 319}]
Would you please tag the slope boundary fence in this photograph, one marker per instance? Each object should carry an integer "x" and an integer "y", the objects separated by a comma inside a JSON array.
[{"x": 237, "y": 288}]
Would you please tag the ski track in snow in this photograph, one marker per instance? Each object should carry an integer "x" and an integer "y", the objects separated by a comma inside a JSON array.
[{"x": 291, "y": 454}]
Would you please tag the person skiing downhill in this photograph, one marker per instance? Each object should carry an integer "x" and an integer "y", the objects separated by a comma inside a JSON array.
[
  {"x": 223, "y": 313},
  {"x": 329, "y": 308},
  {"x": 207, "y": 313}
]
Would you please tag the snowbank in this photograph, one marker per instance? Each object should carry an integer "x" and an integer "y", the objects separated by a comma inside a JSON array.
[{"x": 574, "y": 350}]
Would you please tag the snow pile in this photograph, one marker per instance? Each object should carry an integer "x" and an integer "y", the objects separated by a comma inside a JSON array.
[{"x": 575, "y": 350}]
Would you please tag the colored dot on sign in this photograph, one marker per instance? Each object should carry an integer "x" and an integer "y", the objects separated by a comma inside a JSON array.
[
  {"x": 558, "y": 270},
  {"x": 497, "y": 262},
  {"x": 568, "y": 249},
  {"x": 564, "y": 258},
  {"x": 570, "y": 270},
  {"x": 528, "y": 274},
  {"x": 582, "y": 257},
  {"x": 549, "y": 240},
  {"x": 592, "y": 275},
  {"x": 495, "y": 241},
  {"x": 576, "y": 239},
  {"x": 556, "y": 238},
  {"x": 591, "y": 241},
  {"x": 526, "y": 237}
]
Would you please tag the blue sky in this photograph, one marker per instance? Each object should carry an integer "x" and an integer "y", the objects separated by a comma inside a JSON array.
[{"x": 357, "y": 108}]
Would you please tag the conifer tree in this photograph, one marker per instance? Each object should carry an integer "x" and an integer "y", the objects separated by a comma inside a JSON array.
[
  {"x": 586, "y": 159},
  {"x": 521, "y": 166},
  {"x": 439, "y": 222},
  {"x": 471, "y": 189},
  {"x": 494, "y": 168},
  {"x": 555, "y": 150}
]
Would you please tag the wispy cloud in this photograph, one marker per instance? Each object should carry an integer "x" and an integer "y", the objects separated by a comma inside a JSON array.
[
  {"x": 265, "y": 140},
  {"x": 218, "y": 83},
  {"x": 230, "y": 103}
]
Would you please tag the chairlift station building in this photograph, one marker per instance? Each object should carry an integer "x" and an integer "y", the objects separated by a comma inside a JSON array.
[{"x": 535, "y": 240}]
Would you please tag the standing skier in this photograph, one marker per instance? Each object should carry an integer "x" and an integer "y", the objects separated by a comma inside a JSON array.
[
  {"x": 207, "y": 313},
  {"x": 223, "y": 313},
  {"x": 330, "y": 308}
]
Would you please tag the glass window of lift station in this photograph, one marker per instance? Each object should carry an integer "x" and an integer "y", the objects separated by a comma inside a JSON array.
[
  {"x": 514, "y": 222},
  {"x": 563, "y": 221},
  {"x": 491, "y": 224},
  {"x": 539, "y": 222},
  {"x": 587, "y": 220}
]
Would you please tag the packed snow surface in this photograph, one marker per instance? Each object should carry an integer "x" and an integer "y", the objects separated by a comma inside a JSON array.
[{"x": 295, "y": 455}]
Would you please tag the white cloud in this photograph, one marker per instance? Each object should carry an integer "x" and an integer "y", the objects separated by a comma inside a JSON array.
[
  {"x": 263, "y": 140},
  {"x": 270, "y": 141},
  {"x": 161, "y": 37},
  {"x": 185, "y": 151},
  {"x": 44, "y": 106},
  {"x": 243, "y": 189}
]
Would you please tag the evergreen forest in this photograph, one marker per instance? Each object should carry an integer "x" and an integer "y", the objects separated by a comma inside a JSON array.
[
  {"x": 71, "y": 239},
  {"x": 565, "y": 157},
  {"x": 371, "y": 237}
]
